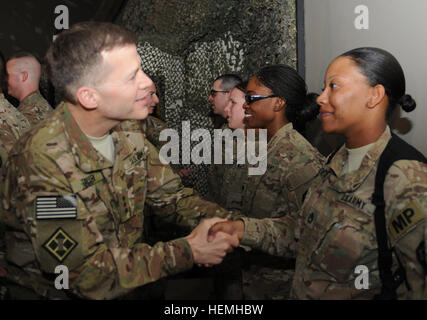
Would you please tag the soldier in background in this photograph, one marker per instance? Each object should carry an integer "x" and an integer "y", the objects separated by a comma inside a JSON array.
[
  {"x": 219, "y": 99},
  {"x": 23, "y": 78},
  {"x": 12, "y": 125},
  {"x": 12, "y": 122},
  {"x": 220, "y": 96},
  {"x": 74, "y": 188},
  {"x": 228, "y": 278}
]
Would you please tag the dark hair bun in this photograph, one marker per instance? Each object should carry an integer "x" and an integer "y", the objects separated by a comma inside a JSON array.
[
  {"x": 407, "y": 103},
  {"x": 311, "y": 109}
]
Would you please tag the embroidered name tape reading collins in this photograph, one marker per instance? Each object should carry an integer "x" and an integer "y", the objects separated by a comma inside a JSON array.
[{"x": 56, "y": 207}]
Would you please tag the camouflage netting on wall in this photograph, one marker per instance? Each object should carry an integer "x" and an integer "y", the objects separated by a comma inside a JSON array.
[{"x": 185, "y": 45}]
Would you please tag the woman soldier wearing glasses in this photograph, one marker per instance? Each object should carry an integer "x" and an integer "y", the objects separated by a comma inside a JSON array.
[
  {"x": 277, "y": 100},
  {"x": 335, "y": 236}
]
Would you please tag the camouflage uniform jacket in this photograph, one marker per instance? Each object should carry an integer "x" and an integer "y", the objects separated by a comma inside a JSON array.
[
  {"x": 292, "y": 163},
  {"x": 152, "y": 127},
  {"x": 102, "y": 243},
  {"x": 335, "y": 229},
  {"x": 12, "y": 125},
  {"x": 216, "y": 174},
  {"x": 35, "y": 108}
]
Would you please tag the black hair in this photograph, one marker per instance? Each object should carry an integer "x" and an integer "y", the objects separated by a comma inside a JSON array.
[
  {"x": 229, "y": 81},
  {"x": 381, "y": 67},
  {"x": 286, "y": 83},
  {"x": 242, "y": 86}
]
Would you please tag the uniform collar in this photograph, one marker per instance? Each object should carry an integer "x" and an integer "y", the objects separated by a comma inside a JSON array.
[
  {"x": 353, "y": 180},
  {"x": 33, "y": 94},
  {"x": 279, "y": 135},
  {"x": 87, "y": 158}
]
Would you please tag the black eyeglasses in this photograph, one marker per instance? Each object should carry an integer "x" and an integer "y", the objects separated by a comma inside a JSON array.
[
  {"x": 214, "y": 92},
  {"x": 249, "y": 99}
]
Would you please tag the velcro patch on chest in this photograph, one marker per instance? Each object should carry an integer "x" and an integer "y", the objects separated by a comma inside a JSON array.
[
  {"x": 56, "y": 207},
  {"x": 407, "y": 218}
]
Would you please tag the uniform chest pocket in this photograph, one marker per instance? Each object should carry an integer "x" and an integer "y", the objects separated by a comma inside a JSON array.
[
  {"x": 345, "y": 243},
  {"x": 267, "y": 196}
]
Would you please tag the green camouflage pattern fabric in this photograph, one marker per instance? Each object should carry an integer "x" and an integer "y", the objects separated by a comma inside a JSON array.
[
  {"x": 152, "y": 128},
  {"x": 334, "y": 231},
  {"x": 229, "y": 179},
  {"x": 216, "y": 175},
  {"x": 13, "y": 124},
  {"x": 109, "y": 256},
  {"x": 292, "y": 164},
  {"x": 35, "y": 108},
  {"x": 406, "y": 198}
]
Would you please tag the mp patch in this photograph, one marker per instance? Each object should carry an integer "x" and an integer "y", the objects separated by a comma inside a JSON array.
[
  {"x": 405, "y": 220},
  {"x": 56, "y": 207},
  {"x": 60, "y": 244}
]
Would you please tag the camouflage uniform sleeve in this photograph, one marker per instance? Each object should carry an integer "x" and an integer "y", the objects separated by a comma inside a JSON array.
[
  {"x": 97, "y": 271},
  {"x": 174, "y": 203},
  {"x": 153, "y": 129},
  {"x": 7, "y": 140},
  {"x": 274, "y": 236},
  {"x": 406, "y": 208}
]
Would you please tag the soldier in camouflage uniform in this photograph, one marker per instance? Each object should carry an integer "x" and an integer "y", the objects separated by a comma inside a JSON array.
[
  {"x": 12, "y": 125},
  {"x": 230, "y": 177},
  {"x": 66, "y": 200},
  {"x": 335, "y": 230},
  {"x": 23, "y": 83},
  {"x": 277, "y": 100},
  {"x": 219, "y": 98},
  {"x": 153, "y": 126}
]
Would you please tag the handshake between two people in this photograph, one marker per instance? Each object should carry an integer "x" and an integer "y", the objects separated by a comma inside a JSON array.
[{"x": 213, "y": 238}]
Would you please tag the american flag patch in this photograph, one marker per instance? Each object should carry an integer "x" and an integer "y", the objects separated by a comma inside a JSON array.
[{"x": 56, "y": 207}]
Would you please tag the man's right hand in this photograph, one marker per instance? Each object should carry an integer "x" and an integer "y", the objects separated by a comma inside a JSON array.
[
  {"x": 213, "y": 252},
  {"x": 233, "y": 228}
]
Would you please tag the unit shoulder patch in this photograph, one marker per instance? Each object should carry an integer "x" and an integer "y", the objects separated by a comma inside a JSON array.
[
  {"x": 60, "y": 244},
  {"x": 405, "y": 220}
]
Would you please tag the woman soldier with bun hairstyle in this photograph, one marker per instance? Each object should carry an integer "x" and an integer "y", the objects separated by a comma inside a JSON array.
[{"x": 277, "y": 100}]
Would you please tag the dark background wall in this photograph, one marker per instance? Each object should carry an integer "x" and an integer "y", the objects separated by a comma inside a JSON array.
[{"x": 29, "y": 25}]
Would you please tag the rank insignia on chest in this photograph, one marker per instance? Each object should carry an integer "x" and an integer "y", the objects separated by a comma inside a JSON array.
[
  {"x": 56, "y": 207},
  {"x": 136, "y": 158},
  {"x": 311, "y": 217},
  {"x": 88, "y": 181},
  {"x": 60, "y": 244}
]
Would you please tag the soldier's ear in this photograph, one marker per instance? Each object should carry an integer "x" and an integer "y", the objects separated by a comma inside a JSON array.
[
  {"x": 279, "y": 104},
  {"x": 377, "y": 96},
  {"x": 87, "y": 97},
  {"x": 24, "y": 76}
]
